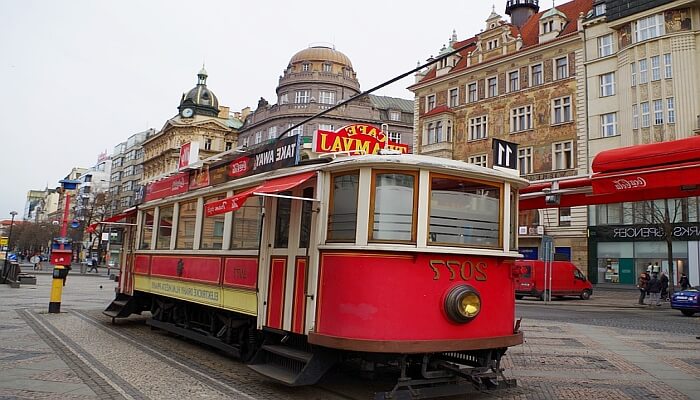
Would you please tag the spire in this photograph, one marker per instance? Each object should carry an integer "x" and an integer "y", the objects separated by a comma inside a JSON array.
[
  {"x": 202, "y": 75},
  {"x": 454, "y": 37}
]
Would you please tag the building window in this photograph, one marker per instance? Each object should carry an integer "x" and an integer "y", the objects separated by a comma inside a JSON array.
[
  {"x": 605, "y": 45},
  {"x": 633, "y": 71},
  {"x": 246, "y": 141},
  {"x": 430, "y": 102},
  {"x": 547, "y": 26},
  {"x": 395, "y": 137},
  {"x": 473, "y": 95},
  {"x": 258, "y": 137},
  {"x": 327, "y": 68},
  {"x": 607, "y": 84},
  {"x": 272, "y": 132},
  {"x": 302, "y": 96},
  {"x": 658, "y": 112},
  {"x": 513, "y": 81},
  {"x": 326, "y": 127},
  {"x": 599, "y": 9},
  {"x": 454, "y": 97},
  {"x": 521, "y": 118},
  {"x": 563, "y": 155},
  {"x": 229, "y": 146},
  {"x": 562, "y": 67},
  {"x": 299, "y": 130},
  {"x": 207, "y": 144},
  {"x": 525, "y": 160},
  {"x": 635, "y": 116},
  {"x": 649, "y": 27},
  {"x": 478, "y": 128},
  {"x": 536, "y": 75},
  {"x": 284, "y": 98},
  {"x": 326, "y": 97},
  {"x": 395, "y": 115},
  {"x": 655, "y": 68},
  {"x": 306, "y": 67},
  {"x": 643, "y": 71},
  {"x": 668, "y": 70},
  {"x": 480, "y": 160},
  {"x": 564, "y": 216},
  {"x": 645, "y": 114},
  {"x": 562, "y": 110},
  {"x": 609, "y": 124},
  {"x": 492, "y": 44},
  {"x": 492, "y": 85},
  {"x": 670, "y": 108}
]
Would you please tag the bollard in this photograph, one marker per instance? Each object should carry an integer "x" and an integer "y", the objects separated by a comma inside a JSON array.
[{"x": 59, "y": 274}]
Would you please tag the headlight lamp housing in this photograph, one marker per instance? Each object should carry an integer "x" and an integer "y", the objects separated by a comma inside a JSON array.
[{"x": 462, "y": 303}]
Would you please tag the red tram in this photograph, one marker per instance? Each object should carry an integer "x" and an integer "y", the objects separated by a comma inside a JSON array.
[{"x": 401, "y": 260}]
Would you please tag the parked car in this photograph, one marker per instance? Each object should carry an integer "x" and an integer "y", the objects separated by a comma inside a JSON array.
[
  {"x": 688, "y": 301},
  {"x": 567, "y": 280}
]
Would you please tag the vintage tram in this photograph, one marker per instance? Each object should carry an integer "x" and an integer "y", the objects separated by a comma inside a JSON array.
[{"x": 401, "y": 260}]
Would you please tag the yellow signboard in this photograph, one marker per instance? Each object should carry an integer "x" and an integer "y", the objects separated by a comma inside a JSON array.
[{"x": 3, "y": 241}]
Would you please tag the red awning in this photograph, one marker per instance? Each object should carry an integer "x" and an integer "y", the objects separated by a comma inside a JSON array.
[
  {"x": 233, "y": 203},
  {"x": 115, "y": 218}
]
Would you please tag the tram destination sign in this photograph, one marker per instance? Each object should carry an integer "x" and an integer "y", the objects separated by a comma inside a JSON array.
[{"x": 281, "y": 154}]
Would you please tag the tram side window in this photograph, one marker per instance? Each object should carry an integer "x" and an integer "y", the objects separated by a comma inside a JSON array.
[
  {"x": 342, "y": 217},
  {"x": 464, "y": 213},
  {"x": 393, "y": 215},
  {"x": 306, "y": 212},
  {"x": 185, "y": 225},
  {"x": 284, "y": 211},
  {"x": 245, "y": 231},
  {"x": 165, "y": 228},
  {"x": 147, "y": 231},
  {"x": 213, "y": 228}
]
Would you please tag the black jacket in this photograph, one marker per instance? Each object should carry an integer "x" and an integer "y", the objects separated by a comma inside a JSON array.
[{"x": 654, "y": 285}]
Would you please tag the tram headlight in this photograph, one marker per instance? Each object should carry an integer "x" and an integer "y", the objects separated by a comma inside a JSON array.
[{"x": 462, "y": 303}]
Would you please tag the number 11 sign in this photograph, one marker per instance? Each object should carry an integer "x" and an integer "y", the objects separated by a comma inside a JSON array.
[{"x": 505, "y": 154}]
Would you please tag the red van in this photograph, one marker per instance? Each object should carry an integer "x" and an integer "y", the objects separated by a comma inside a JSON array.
[{"x": 567, "y": 280}]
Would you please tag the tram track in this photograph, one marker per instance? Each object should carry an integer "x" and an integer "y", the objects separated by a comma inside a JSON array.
[{"x": 209, "y": 367}]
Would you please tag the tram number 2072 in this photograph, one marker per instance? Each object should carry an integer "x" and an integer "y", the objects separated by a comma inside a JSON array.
[{"x": 466, "y": 269}]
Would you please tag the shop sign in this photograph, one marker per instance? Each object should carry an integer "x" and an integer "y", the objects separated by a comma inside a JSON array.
[
  {"x": 280, "y": 154},
  {"x": 167, "y": 187},
  {"x": 189, "y": 154},
  {"x": 355, "y": 139},
  {"x": 645, "y": 232}
]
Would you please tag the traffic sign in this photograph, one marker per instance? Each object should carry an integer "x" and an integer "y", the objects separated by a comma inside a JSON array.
[
  {"x": 12, "y": 257},
  {"x": 75, "y": 224},
  {"x": 505, "y": 154}
]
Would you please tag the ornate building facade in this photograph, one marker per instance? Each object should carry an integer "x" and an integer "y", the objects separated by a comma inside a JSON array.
[
  {"x": 200, "y": 119},
  {"x": 515, "y": 81},
  {"x": 316, "y": 79}
]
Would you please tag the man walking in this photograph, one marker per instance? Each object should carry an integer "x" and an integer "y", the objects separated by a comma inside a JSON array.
[
  {"x": 93, "y": 265},
  {"x": 654, "y": 289}
]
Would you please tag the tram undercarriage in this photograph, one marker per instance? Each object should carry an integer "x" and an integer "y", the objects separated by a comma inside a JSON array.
[{"x": 291, "y": 360}]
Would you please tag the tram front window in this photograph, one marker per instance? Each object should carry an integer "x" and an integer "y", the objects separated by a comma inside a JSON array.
[
  {"x": 393, "y": 212},
  {"x": 464, "y": 213},
  {"x": 342, "y": 218},
  {"x": 165, "y": 228}
]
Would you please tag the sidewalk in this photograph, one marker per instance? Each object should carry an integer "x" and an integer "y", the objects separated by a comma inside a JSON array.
[
  {"x": 603, "y": 296},
  {"x": 47, "y": 268}
]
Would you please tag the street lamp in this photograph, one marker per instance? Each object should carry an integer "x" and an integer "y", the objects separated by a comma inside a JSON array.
[{"x": 9, "y": 236}]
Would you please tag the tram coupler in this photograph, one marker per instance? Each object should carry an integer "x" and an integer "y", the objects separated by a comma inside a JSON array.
[{"x": 59, "y": 276}]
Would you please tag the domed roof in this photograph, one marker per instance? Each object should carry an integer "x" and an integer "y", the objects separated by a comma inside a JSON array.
[
  {"x": 321, "y": 53},
  {"x": 200, "y": 95}
]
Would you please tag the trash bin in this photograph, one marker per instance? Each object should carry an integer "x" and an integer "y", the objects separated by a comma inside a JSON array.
[{"x": 83, "y": 268}]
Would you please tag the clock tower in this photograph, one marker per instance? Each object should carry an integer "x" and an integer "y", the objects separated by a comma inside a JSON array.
[{"x": 199, "y": 100}]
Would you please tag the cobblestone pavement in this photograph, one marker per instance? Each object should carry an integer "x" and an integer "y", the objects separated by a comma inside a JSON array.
[{"x": 78, "y": 354}]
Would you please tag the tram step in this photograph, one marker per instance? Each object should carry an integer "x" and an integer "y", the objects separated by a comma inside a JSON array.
[
  {"x": 289, "y": 352},
  {"x": 121, "y": 307},
  {"x": 276, "y": 372}
]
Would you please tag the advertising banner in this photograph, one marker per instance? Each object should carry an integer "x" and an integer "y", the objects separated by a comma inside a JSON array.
[
  {"x": 355, "y": 139},
  {"x": 281, "y": 154},
  {"x": 175, "y": 184}
]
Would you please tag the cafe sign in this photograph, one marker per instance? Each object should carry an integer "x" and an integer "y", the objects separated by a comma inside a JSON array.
[{"x": 355, "y": 139}]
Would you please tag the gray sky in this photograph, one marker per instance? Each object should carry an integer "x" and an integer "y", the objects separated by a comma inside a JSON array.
[{"x": 78, "y": 77}]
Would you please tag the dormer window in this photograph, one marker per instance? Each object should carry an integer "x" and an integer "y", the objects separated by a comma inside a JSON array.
[
  {"x": 599, "y": 9},
  {"x": 548, "y": 27},
  {"x": 306, "y": 67},
  {"x": 492, "y": 44},
  {"x": 327, "y": 68}
]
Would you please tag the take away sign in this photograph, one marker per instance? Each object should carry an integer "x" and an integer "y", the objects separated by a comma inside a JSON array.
[{"x": 355, "y": 139}]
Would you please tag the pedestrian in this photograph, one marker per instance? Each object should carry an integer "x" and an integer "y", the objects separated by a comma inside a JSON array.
[
  {"x": 654, "y": 289},
  {"x": 685, "y": 284},
  {"x": 642, "y": 286},
  {"x": 649, "y": 268},
  {"x": 93, "y": 265},
  {"x": 664, "y": 286},
  {"x": 655, "y": 269}
]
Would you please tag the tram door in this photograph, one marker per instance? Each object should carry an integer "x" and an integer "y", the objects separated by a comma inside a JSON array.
[{"x": 288, "y": 239}]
